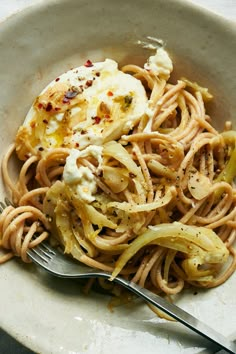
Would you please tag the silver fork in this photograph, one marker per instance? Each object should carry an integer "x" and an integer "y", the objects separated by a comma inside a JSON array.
[{"x": 60, "y": 265}]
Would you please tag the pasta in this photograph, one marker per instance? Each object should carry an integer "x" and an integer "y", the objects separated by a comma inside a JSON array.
[{"x": 143, "y": 186}]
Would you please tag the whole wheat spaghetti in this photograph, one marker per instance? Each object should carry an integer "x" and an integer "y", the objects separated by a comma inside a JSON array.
[{"x": 136, "y": 182}]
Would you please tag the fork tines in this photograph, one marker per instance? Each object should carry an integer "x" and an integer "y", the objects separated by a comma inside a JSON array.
[
  {"x": 2, "y": 207},
  {"x": 5, "y": 204},
  {"x": 43, "y": 251}
]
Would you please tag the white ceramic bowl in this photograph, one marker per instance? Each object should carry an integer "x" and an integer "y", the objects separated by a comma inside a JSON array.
[{"x": 52, "y": 315}]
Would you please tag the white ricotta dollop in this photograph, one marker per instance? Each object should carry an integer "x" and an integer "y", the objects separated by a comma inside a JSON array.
[
  {"x": 92, "y": 104},
  {"x": 160, "y": 64},
  {"x": 102, "y": 99},
  {"x": 81, "y": 178}
]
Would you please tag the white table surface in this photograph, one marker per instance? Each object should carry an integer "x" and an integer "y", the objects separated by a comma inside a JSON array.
[{"x": 225, "y": 8}]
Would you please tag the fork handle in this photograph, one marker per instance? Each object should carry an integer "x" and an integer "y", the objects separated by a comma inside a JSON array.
[{"x": 180, "y": 315}]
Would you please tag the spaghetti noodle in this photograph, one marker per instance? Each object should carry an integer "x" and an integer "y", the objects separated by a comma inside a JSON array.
[{"x": 138, "y": 182}]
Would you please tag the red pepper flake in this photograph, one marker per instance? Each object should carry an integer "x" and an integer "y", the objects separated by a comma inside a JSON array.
[
  {"x": 49, "y": 107},
  {"x": 88, "y": 64},
  {"x": 57, "y": 108},
  {"x": 98, "y": 74},
  {"x": 107, "y": 116},
  {"x": 88, "y": 83},
  {"x": 109, "y": 93},
  {"x": 96, "y": 119},
  {"x": 57, "y": 79},
  {"x": 77, "y": 145},
  {"x": 40, "y": 105},
  {"x": 45, "y": 121},
  {"x": 33, "y": 124}
]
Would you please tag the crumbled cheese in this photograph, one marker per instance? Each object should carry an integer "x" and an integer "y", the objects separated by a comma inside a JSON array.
[
  {"x": 160, "y": 64},
  {"x": 81, "y": 178}
]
